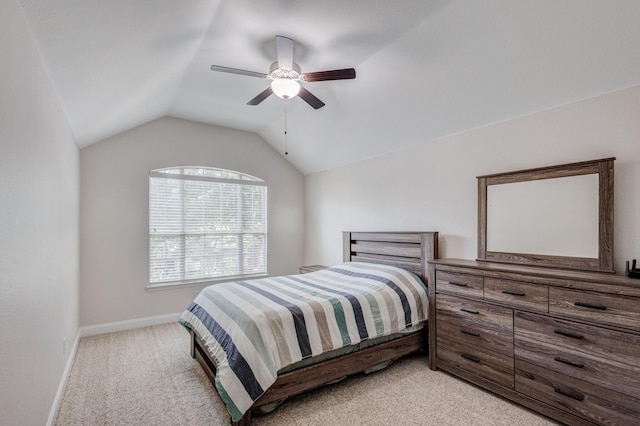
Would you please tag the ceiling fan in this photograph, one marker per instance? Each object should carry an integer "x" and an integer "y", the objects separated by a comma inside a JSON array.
[{"x": 286, "y": 76}]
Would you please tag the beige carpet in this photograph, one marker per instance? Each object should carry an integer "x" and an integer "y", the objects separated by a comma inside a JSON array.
[{"x": 146, "y": 377}]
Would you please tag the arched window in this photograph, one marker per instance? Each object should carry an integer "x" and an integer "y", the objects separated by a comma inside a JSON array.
[{"x": 205, "y": 224}]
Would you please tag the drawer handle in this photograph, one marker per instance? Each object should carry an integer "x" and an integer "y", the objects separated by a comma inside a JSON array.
[
  {"x": 590, "y": 306},
  {"x": 513, "y": 293},
  {"x": 470, "y": 333},
  {"x": 569, "y": 334},
  {"x": 574, "y": 395},
  {"x": 569, "y": 362},
  {"x": 469, "y": 311},
  {"x": 458, "y": 284},
  {"x": 470, "y": 358}
]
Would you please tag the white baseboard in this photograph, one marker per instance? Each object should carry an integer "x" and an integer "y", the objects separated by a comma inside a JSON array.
[
  {"x": 93, "y": 330},
  {"x": 53, "y": 413},
  {"x": 110, "y": 327}
]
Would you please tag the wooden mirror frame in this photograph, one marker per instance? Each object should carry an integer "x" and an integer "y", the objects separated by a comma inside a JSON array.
[{"x": 604, "y": 261}]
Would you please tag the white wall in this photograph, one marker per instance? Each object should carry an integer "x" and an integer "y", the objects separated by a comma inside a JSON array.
[
  {"x": 432, "y": 186},
  {"x": 114, "y": 265},
  {"x": 39, "y": 208}
]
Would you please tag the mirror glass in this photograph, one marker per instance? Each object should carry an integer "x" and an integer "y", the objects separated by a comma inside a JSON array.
[{"x": 558, "y": 216}]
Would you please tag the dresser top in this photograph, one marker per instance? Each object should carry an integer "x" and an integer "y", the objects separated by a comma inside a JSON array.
[{"x": 597, "y": 281}]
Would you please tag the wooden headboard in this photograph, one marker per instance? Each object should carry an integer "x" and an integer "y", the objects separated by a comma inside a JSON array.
[{"x": 407, "y": 250}]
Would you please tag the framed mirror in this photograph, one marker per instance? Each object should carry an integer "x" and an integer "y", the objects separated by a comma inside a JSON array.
[{"x": 558, "y": 216}]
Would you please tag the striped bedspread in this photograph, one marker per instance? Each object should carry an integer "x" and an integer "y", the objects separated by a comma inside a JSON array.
[{"x": 252, "y": 329}]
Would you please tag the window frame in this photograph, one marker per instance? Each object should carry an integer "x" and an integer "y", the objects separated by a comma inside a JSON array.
[{"x": 237, "y": 178}]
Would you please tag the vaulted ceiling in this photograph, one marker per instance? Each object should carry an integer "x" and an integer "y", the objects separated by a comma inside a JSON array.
[{"x": 425, "y": 68}]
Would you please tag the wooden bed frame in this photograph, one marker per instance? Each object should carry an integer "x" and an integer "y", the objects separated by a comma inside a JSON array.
[{"x": 408, "y": 250}]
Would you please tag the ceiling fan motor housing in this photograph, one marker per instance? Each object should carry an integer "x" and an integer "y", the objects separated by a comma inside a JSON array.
[{"x": 276, "y": 72}]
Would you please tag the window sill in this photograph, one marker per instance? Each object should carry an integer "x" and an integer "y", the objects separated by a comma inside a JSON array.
[{"x": 201, "y": 283}]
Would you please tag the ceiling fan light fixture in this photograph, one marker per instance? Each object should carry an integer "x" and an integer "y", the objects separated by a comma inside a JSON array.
[{"x": 285, "y": 88}]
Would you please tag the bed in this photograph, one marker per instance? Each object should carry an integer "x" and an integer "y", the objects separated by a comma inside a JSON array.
[{"x": 322, "y": 327}]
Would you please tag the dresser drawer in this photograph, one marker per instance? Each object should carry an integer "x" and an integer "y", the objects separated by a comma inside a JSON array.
[
  {"x": 482, "y": 362},
  {"x": 598, "y": 371},
  {"x": 599, "y": 342},
  {"x": 611, "y": 309},
  {"x": 583, "y": 399},
  {"x": 589, "y": 366},
  {"x": 517, "y": 294},
  {"x": 462, "y": 284},
  {"x": 475, "y": 323}
]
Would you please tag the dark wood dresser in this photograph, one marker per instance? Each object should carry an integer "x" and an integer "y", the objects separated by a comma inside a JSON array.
[{"x": 563, "y": 343}]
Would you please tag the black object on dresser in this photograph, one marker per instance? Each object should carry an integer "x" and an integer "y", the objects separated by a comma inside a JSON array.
[
  {"x": 632, "y": 272},
  {"x": 563, "y": 343}
]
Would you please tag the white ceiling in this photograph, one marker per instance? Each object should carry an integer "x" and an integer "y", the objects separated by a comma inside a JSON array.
[{"x": 425, "y": 69}]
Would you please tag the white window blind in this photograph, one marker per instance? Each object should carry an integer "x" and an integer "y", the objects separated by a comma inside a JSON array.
[{"x": 205, "y": 224}]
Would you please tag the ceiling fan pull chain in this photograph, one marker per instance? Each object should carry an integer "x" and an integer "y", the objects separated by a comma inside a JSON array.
[{"x": 286, "y": 150}]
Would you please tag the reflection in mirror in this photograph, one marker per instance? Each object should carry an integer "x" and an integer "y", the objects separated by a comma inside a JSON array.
[{"x": 556, "y": 217}]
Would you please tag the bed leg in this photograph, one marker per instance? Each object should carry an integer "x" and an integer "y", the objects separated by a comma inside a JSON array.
[
  {"x": 244, "y": 420},
  {"x": 192, "y": 349}
]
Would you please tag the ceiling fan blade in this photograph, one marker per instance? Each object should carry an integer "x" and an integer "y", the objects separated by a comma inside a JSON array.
[
  {"x": 261, "y": 96},
  {"x": 284, "y": 52},
  {"x": 310, "y": 98},
  {"x": 343, "y": 74},
  {"x": 237, "y": 71}
]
